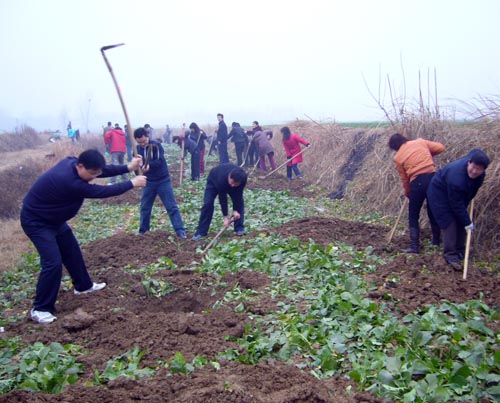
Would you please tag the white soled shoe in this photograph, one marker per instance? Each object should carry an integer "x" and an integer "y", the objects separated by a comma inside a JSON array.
[
  {"x": 95, "y": 287},
  {"x": 42, "y": 317}
]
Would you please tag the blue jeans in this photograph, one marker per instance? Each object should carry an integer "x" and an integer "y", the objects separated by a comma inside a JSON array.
[
  {"x": 117, "y": 159},
  {"x": 293, "y": 168},
  {"x": 129, "y": 153},
  {"x": 56, "y": 246},
  {"x": 163, "y": 189},
  {"x": 207, "y": 212}
]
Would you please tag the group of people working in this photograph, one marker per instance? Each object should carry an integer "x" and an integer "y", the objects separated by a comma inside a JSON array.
[
  {"x": 58, "y": 194},
  {"x": 448, "y": 192},
  {"x": 252, "y": 146}
]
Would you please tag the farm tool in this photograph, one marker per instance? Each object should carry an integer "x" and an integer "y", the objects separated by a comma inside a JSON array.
[
  {"x": 254, "y": 167},
  {"x": 246, "y": 152},
  {"x": 213, "y": 242},
  {"x": 286, "y": 162},
  {"x": 467, "y": 243},
  {"x": 150, "y": 151},
  {"x": 391, "y": 234},
  {"x": 130, "y": 131},
  {"x": 182, "y": 159}
]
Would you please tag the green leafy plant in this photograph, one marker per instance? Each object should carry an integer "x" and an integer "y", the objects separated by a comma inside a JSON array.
[
  {"x": 126, "y": 365},
  {"x": 38, "y": 367}
]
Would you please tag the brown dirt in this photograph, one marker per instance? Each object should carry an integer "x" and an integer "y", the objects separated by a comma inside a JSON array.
[{"x": 112, "y": 321}]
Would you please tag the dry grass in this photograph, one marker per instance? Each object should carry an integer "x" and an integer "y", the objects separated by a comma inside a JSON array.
[
  {"x": 13, "y": 244},
  {"x": 18, "y": 171},
  {"x": 357, "y": 165}
]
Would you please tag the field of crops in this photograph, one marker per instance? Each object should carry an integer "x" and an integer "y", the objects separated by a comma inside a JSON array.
[{"x": 311, "y": 305}]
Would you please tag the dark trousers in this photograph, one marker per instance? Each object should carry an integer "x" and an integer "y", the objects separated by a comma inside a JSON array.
[
  {"x": 454, "y": 242},
  {"x": 56, "y": 246},
  {"x": 202, "y": 161},
  {"x": 253, "y": 155},
  {"x": 223, "y": 155},
  {"x": 240, "y": 151},
  {"x": 195, "y": 165},
  {"x": 207, "y": 212},
  {"x": 418, "y": 194}
]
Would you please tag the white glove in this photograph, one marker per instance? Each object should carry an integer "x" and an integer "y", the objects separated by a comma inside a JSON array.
[{"x": 470, "y": 227}]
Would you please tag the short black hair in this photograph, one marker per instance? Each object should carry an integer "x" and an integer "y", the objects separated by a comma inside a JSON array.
[
  {"x": 478, "y": 157},
  {"x": 221, "y": 115},
  {"x": 92, "y": 159},
  {"x": 176, "y": 139},
  {"x": 140, "y": 132},
  {"x": 238, "y": 175},
  {"x": 396, "y": 141},
  {"x": 255, "y": 122}
]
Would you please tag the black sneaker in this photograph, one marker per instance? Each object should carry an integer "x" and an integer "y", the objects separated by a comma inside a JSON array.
[
  {"x": 240, "y": 232},
  {"x": 182, "y": 234}
]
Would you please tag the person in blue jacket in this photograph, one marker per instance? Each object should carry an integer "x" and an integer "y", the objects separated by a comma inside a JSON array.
[
  {"x": 451, "y": 190},
  {"x": 223, "y": 180},
  {"x": 156, "y": 170},
  {"x": 54, "y": 198},
  {"x": 192, "y": 148}
]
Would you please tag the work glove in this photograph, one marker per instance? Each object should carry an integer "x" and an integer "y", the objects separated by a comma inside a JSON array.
[{"x": 469, "y": 227}]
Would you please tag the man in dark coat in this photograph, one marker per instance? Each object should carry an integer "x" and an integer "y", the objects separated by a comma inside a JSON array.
[
  {"x": 449, "y": 193},
  {"x": 240, "y": 140},
  {"x": 223, "y": 180},
  {"x": 222, "y": 140},
  {"x": 54, "y": 199},
  {"x": 156, "y": 170}
]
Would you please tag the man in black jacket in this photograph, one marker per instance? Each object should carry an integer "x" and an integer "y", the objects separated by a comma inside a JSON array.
[
  {"x": 451, "y": 190},
  {"x": 223, "y": 180},
  {"x": 240, "y": 140},
  {"x": 54, "y": 199},
  {"x": 222, "y": 140}
]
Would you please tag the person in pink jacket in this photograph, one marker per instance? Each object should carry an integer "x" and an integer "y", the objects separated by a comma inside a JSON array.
[
  {"x": 292, "y": 142},
  {"x": 117, "y": 142}
]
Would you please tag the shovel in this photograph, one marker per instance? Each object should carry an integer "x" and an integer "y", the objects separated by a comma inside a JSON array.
[
  {"x": 219, "y": 234},
  {"x": 284, "y": 163},
  {"x": 467, "y": 243}
]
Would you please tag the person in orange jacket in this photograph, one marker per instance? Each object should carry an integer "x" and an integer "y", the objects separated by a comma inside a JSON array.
[{"x": 415, "y": 165}]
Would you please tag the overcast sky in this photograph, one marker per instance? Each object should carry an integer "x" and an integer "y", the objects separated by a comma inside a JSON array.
[{"x": 266, "y": 60}]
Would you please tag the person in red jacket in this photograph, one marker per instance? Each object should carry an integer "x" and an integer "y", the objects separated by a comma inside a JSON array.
[
  {"x": 117, "y": 142},
  {"x": 292, "y": 142},
  {"x": 413, "y": 160}
]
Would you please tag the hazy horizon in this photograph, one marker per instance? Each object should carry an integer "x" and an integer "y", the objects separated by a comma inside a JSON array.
[{"x": 267, "y": 61}]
